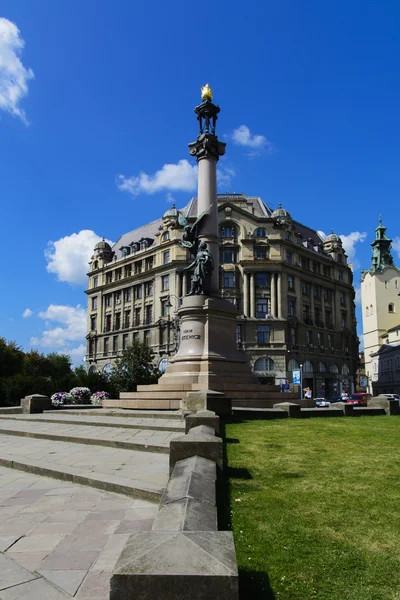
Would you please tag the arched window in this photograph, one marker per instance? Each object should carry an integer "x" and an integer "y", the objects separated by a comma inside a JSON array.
[
  {"x": 333, "y": 368},
  {"x": 260, "y": 232},
  {"x": 322, "y": 367},
  {"x": 308, "y": 367},
  {"x": 366, "y": 311},
  {"x": 391, "y": 307},
  {"x": 345, "y": 369},
  {"x": 227, "y": 232},
  {"x": 165, "y": 236},
  {"x": 293, "y": 365},
  {"x": 107, "y": 369},
  {"x": 162, "y": 365},
  {"x": 95, "y": 265},
  {"x": 264, "y": 364},
  {"x": 92, "y": 369}
]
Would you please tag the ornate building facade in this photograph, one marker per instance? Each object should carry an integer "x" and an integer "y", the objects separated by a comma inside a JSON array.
[
  {"x": 294, "y": 292},
  {"x": 380, "y": 291}
]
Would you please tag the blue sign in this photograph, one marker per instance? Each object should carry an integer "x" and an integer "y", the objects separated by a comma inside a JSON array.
[{"x": 296, "y": 377}]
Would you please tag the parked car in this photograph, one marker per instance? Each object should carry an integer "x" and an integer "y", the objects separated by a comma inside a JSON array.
[
  {"x": 322, "y": 403},
  {"x": 358, "y": 399},
  {"x": 393, "y": 396},
  {"x": 334, "y": 399}
]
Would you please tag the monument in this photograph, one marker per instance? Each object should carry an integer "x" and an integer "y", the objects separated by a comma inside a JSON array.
[{"x": 208, "y": 370}]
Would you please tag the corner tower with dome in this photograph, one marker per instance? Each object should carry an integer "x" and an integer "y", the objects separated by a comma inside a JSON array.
[{"x": 289, "y": 293}]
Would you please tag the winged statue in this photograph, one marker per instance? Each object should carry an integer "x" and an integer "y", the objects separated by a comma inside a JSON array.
[{"x": 190, "y": 237}]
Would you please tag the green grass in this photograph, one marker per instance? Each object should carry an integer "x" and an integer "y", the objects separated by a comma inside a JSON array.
[{"x": 319, "y": 510}]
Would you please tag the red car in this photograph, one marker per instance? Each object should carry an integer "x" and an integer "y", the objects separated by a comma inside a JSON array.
[{"x": 359, "y": 399}]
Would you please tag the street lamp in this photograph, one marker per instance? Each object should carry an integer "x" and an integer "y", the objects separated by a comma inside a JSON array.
[{"x": 301, "y": 381}]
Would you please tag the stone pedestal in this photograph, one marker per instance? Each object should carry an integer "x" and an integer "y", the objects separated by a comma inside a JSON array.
[{"x": 36, "y": 403}]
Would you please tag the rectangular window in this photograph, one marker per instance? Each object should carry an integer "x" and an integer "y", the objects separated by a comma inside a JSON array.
[
  {"x": 108, "y": 300},
  {"x": 326, "y": 271},
  {"x": 125, "y": 339},
  {"x": 263, "y": 334},
  {"x": 128, "y": 270},
  {"x": 128, "y": 295},
  {"x": 288, "y": 236},
  {"x": 228, "y": 279},
  {"x": 317, "y": 267},
  {"x": 327, "y": 295},
  {"x": 239, "y": 334},
  {"x": 289, "y": 257},
  {"x": 291, "y": 308},
  {"x": 93, "y": 323},
  {"x": 106, "y": 345},
  {"x": 95, "y": 282},
  {"x": 138, "y": 267},
  {"x": 166, "y": 257},
  {"x": 148, "y": 289},
  {"x": 260, "y": 254},
  {"x": 262, "y": 280},
  {"x": 164, "y": 307},
  {"x": 292, "y": 335},
  {"x": 228, "y": 255},
  {"x": 147, "y": 337},
  {"x": 290, "y": 282},
  {"x": 340, "y": 275},
  {"x": 163, "y": 335},
  {"x": 165, "y": 283},
  {"x": 137, "y": 316},
  {"x": 320, "y": 340},
  {"x": 342, "y": 299},
  {"x": 316, "y": 291},
  {"x": 149, "y": 263},
  {"x": 227, "y": 232},
  {"x": 118, "y": 274},
  {"x": 309, "y": 337},
  {"x": 262, "y": 308},
  {"x": 94, "y": 302},
  {"x": 117, "y": 297},
  {"x": 136, "y": 335},
  {"x": 148, "y": 314},
  {"x": 117, "y": 322},
  {"x": 343, "y": 319},
  {"x": 330, "y": 340},
  {"x": 305, "y": 288},
  {"x": 109, "y": 277},
  {"x": 138, "y": 292},
  {"x": 127, "y": 319},
  {"x": 115, "y": 343},
  {"x": 328, "y": 318},
  {"x": 107, "y": 323},
  {"x": 91, "y": 346}
]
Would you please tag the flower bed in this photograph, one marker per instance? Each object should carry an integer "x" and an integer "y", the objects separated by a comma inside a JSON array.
[
  {"x": 61, "y": 398},
  {"x": 80, "y": 395},
  {"x": 97, "y": 397}
]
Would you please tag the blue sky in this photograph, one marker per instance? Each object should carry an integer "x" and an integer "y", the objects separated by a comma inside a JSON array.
[{"x": 96, "y": 111}]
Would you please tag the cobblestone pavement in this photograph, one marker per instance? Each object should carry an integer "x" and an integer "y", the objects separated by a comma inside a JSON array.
[{"x": 59, "y": 540}]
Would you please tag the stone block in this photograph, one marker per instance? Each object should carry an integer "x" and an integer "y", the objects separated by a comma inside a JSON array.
[
  {"x": 390, "y": 405},
  {"x": 158, "y": 565},
  {"x": 186, "y": 514},
  {"x": 196, "y": 443},
  {"x": 202, "y": 417},
  {"x": 348, "y": 410},
  {"x": 194, "y": 401},
  {"x": 35, "y": 403},
  {"x": 189, "y": 485},
  {"x": 292, "y": 409}
]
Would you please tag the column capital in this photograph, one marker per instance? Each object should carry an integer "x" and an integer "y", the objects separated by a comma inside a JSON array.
[{"x": 207, "y": 145}]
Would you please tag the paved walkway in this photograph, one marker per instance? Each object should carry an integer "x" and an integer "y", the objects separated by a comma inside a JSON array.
[{"x": 59, "y": 540}]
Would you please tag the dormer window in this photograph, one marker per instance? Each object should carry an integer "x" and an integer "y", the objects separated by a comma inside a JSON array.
[
  {"x": 260, "y": 232},
  {"x": 165, "y": 236}
]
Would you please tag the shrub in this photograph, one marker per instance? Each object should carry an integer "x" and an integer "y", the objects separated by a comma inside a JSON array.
[
  {"x": 61, "y": 398},
  {"x": 97, "y": 397},
  {"x": 80, "y": 395}
]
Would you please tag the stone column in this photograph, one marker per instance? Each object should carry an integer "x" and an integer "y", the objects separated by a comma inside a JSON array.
[
  {"x": 207, "y": 201},
  {"x": 273, "y": 295},
  {"x": 184, "y": 284},
  {"x": 252, "y": 296},
  {"x": 245, "y": 294},
  {"x": 279, "y": 295}
]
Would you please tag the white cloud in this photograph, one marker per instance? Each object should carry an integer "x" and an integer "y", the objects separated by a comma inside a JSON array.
[
  {"x": 357, "y": 299},
  {"x": 170, "y": 199},
  {"x": 349, "y": 244},
  {"x": 14, "y": 76},
  {"x": 361, "y": 346},
  {"x": 77, "y": 354},
  {"x": 396, "y": 245},
  {"x": 242, "y": 136},
  {"x": 27, "y": 313},
  {"x": 179, "y": 177},
  {"x": 224, "y": 177},
  {"x": 69, "y": 326},
  {"x": 68, "y": 257}
]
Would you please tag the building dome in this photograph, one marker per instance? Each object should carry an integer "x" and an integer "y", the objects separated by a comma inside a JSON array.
[
  {"x": 280, "y": 212},
  {"x": 332, "y": 237},
  {"x": 102, "y": 246},
  {"x": 171, "y": 213}
]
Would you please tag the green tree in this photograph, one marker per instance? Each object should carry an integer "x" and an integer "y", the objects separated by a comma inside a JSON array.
[
  {"x": 11, "y": 358},
  {"x": 135, "y": 367}
]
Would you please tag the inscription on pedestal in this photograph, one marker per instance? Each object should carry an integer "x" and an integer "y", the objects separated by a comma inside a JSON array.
[{"x": 189, "y": 335}]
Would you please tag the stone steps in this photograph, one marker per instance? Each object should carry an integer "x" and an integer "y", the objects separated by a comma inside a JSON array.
[
  {"x": 124, "y": 413},
  {"x": 135, "y": 423},
  {"x": 144, "y": 403},
  {"x": 126, "y": 438}
]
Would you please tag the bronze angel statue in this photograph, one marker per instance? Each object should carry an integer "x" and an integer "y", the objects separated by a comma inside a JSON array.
[{"x": 190, "y": 237}]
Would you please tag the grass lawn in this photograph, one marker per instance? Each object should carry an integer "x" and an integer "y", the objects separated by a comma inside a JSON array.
[{"x": 315, "y": 507}]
